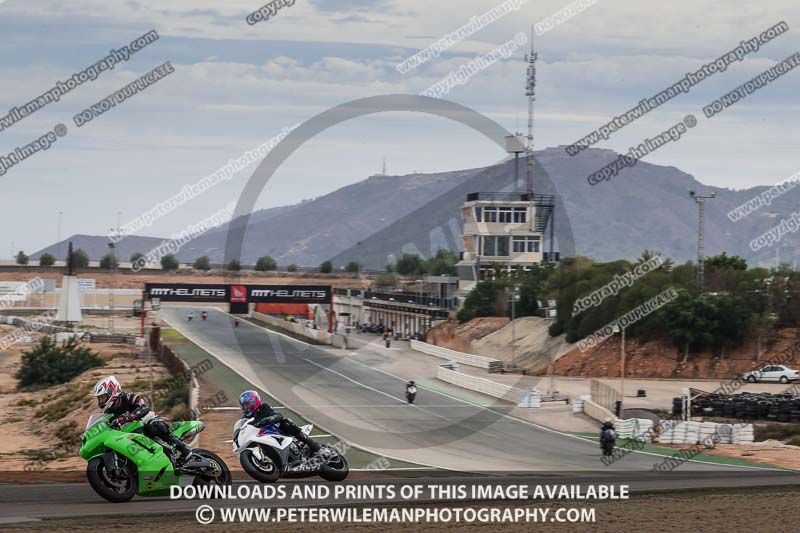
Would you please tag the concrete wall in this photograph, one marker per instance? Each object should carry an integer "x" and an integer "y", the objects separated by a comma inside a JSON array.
[
  {"x": 484, "y": 386},
  {"x": 451, "y": 355},
  {"x": 299, "y": 328},
  {"x": 597, "y": 411}
]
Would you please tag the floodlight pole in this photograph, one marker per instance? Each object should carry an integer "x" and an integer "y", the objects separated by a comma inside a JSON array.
[
  {"x": 514, "y": 298},
  {"x": 701, "y": 228}
]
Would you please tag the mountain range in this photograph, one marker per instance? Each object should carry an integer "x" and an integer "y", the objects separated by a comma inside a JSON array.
[{"x": 646, "y": 206}]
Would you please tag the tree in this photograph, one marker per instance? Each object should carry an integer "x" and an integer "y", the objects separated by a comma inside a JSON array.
[
  {"x": 135, "y": 257},
  {"x": 354, "y": 267},
  {"x": 442, "y": 264},
  {"x": 80, "y": 259},
  {"x": 733, "y": 322},
  {"x": 291, "y": 268},
  {"x": 326, "y": 267},
  {"x": 170, "y": 262},
  {"x": 483, "y": 300},
  {"x": 22, "y": 259},
  {"x": 691, "y": 321},
  {"x": 725, "y": 261},
  {"x": 108, "y": 262},
  {"x": 265, "y": 264},
  {"x": 410, "y": 265},
  {"x": 390, "y": 269},
  {"x": 202, "y": 263},
  {"x": 50, "y": 363},
  {"x": 234, "y": 265},
  {"x": 47, "y": 260}
]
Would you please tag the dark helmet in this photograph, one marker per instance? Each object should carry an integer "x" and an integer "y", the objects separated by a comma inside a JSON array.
[{"x": 411, "y": 383}]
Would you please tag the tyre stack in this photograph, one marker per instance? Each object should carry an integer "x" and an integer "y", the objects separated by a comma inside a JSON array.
[
  {"x": 677, "y": 407},
  {"x": 747, "y": 406}
]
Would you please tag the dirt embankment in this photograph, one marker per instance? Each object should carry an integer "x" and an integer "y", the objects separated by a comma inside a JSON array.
[
  {"x": 660, "y": 359},
  {"x": 492, "y": 336},
  {"x": 459, "y": 337},
  {"x": 124, "y": 279},
  {"x": 533, "y": 345}
]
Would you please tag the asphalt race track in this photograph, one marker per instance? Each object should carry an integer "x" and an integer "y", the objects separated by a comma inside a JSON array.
[{"x": 366, "y": 408}]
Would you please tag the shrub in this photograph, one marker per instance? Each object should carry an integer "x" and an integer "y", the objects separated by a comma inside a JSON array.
[
  {"x": 47, "y": 260},
  {"x": 326, "y": 267},
  {"x": 170, "y": 262},
  {"x": 49, "y": 363},
  {"x": 108, "y": 262},
  {"x": 386, "y": 280},
  {"x": 80, "y": 259},
  {"x": 22, "y": 259},
  {"x": 202, "y": 263},
  {"x": 234, "y": 265},
  {"x": 353, "y": 266},
  {"x": 265, "y": 264},
  {"x": 291, "y": 268},
  {"x": 410, "y": 265}
]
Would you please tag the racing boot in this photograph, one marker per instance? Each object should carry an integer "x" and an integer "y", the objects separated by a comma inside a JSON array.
[
  {"x": 184, "y": 451},
  {"x": 313, "y": 445}
]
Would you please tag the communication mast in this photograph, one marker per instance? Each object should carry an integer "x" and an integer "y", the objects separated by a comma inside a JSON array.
[{"x": 530, "y": 92}]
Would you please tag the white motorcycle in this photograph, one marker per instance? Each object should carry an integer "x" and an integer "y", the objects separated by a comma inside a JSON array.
[{"x": 266, "y": 454}]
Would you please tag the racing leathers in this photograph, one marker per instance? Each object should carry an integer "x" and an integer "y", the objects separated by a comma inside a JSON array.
[
  {"x": 265, "y": 415},
  {"x": 130, "y": 406}
]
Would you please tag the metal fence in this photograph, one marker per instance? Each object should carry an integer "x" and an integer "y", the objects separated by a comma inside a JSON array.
[{"x": 605, "y": 395}]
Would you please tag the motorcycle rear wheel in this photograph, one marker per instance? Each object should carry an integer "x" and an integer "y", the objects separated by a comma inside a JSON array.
[
  {"x": 335, "y": 469},
  {"x": 222, "y": 477}
]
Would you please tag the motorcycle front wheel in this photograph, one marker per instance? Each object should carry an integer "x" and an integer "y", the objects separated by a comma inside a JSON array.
[
  {"x": 117, "y": 488},
  {"x": 266, "y": 471}
]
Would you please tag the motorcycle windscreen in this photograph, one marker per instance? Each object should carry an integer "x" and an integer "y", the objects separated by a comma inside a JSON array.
[{"x": 269, "y": 430}]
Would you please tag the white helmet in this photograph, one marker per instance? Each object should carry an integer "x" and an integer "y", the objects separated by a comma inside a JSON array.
[{"x": 107, "y": 390}]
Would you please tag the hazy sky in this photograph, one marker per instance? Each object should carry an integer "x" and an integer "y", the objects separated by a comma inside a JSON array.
[{"x": 236, "y": 85}]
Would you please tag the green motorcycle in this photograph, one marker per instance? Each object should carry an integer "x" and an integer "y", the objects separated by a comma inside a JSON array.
[{"x": 124, "y": 462}]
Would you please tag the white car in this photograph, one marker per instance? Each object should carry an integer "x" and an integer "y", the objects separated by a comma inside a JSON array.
[{"x": 777, "y": 373}]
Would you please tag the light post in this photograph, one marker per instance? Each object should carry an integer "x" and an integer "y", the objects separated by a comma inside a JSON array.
[
  {"x": 419, "y": 283},
  {"x": 58, "y": 237},
  {"x": 618, "y": 329},
  {"x": 514, "y": 300},
  {"x": 701, "y": 228},
  {"x": 113, "y": 248}
]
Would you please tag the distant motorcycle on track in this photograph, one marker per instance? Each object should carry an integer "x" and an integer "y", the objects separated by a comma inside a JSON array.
[
  {"x": 607, "y": 441},
  {"x": 411, "y": 392}
]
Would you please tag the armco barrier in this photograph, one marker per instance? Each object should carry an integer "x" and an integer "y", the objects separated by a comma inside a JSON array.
[
  {"x": 484, "y": 386},
  {"x": 452, "y": 355}
]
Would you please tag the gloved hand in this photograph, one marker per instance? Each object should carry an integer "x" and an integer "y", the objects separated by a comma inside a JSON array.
[
  {"x": 269, "y": 421},
  {"x": 121, "y": 420}
]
